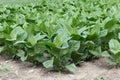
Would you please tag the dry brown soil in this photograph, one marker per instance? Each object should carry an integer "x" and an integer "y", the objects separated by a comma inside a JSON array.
[{"x": 16, "y": 70}]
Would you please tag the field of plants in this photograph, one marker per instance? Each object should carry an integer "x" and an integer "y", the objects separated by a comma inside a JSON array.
[{"x": 60, "y": 34}]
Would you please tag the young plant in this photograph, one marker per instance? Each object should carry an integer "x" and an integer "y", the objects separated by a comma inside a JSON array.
[{"x": 114, "y": 47}]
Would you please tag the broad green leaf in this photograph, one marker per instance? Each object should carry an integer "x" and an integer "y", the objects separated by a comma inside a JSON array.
[
  {"x": 72, "y": 68},
  {"x": 66, "y": 26},
  {"x": 95, "y": 53},
  {"x": 95, "y": 30},
  {"x": 5, "y": 35},
  {"x": 99, "y": 53},
  {"x": 50, "y": 31},
  {"x": 109, "y": 23},
  {"x": 69, "y": 29},
  {"x": 39, "y": 48},
  {"x": 18, "y": 31},
  {"x": 74, "y": 45},
  {"x": 114, "y": 46},
  {"x": 20, "y": 18},
  {"x": 48, "y": 63},
  {"x": 39, "y": 37},
  {"x": 103, "y": 33},
  {"x": 105, "y": 54},
  {"x": 23, "y": 58},
  {"x": 34, "y": 39},
  {"x": 61, "y": 38},
  {"x": 21, "y": 54},
  {"x": 41, "y": 59},
  {"x": 65, "y": 45},
  {"x": 31, "y": 40},
  {"x": 57, "y": 41},
  {"x": 13, "y": 26}
]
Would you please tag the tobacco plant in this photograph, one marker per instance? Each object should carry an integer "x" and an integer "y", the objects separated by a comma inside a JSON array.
[{"x": 60, "y": 33}]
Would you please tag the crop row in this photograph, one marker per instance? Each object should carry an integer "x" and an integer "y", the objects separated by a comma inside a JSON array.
[{"x": 61, "y": 33}]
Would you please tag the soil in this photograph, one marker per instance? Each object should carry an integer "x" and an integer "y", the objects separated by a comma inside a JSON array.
[{"x": 94, "y": 70}]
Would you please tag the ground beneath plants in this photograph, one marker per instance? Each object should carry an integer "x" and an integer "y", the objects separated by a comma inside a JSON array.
[{"x": 16, "y": 70}]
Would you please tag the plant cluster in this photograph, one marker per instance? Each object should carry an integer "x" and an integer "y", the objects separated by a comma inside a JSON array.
[{"x": 61, "y": 33}]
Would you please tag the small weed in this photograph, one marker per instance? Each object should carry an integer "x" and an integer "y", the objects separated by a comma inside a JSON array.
[
  {"x": 102, "y": 78},
  {"x": 5, "y": 68}
]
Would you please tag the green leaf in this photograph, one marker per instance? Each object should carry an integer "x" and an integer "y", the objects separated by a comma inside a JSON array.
[
  {"x": 41, "y": 59},
  {"x": 39, "y": 48},
  {"x": 110, "y": 23},
  {"x": 72, "y": 68},
  {"x": 23, "y": 58},
  {"x": 103, "y": 33},
  {"x": 48, "y": 63},
  {"x": 98, "y": 52},
  {"x": 105, "y": 54},
  {"x": 94, "y": 53},
  {"x": 119, "y": 36},
  {"x": 31, "y": 40},
  {"x": 65, "y": 45},
  {"x": 20, "y": 18},
  {"x": 114, "y": 46},
  {"x": 39, "y": 37},
  {"x": 50, "y": 30},
  {"x": 66, "y": 26},
  {"x": 18, "y": 31},
  {"x": 76, "y": 57},
  {"x": 19, "y": 42},
  {"x": 81, "y": 30},
  {"x": 1, "y": 28},
  {"x": 50, "y": 44},
  {"x": 89, "y": 43},
  {"x": 95, "y": 30},
  {"x": 57, "y": 41},
  {"x": 61, "y": 38},
  {"x": 34, "y": 39},
  {"x": 74, "y": 45},
  {"x": 21, "y": 54},
  {"x": 1, "y": 49}
]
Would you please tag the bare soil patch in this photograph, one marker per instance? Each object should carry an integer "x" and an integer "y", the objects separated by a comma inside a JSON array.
[{"x": 16, "y": 70}]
